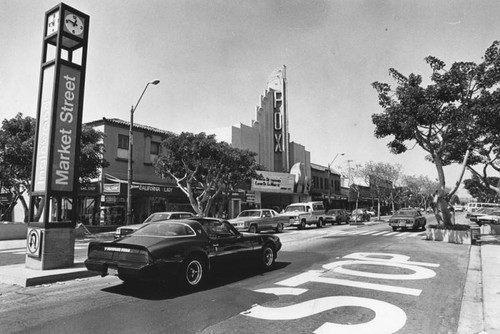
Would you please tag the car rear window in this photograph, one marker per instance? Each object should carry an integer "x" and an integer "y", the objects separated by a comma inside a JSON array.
[{"x": 166, "y": 230}]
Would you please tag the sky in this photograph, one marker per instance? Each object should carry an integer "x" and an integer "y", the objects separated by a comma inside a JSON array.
[{"x": 213, "y": 59}]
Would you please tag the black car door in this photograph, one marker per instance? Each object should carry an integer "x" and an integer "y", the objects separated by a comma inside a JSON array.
[{"x": 230, "y": 245}]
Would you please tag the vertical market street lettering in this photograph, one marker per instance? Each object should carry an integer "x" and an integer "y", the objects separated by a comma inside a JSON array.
[{"x": 63, "y": 163}]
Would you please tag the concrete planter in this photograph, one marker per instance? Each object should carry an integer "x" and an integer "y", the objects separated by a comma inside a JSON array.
[
  {"x": 490, "y": 229},
  {"x": 451, "y": 236}
]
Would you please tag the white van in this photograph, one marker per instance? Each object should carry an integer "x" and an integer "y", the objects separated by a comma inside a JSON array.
[
  {"x": 474, "y": 206},
  {"x": 302, "y": 214}
]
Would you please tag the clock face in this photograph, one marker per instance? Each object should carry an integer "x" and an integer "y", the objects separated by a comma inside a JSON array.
[
  {"x": 73, "y": 24},
  {"x": 52, "y": 23}
]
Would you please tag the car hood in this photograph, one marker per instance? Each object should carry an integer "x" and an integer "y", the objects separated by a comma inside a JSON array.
[
  {"x": 402, "y": 217},
  {"x": 134, "y": 226},
  {"x": 241, "y": 219},
  {"x": 292, "y": 213}
]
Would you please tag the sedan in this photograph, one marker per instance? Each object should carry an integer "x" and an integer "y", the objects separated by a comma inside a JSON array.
[
  {"x": 184, "y": 250},
  {"x": 407, "y": 219},
  {"x": 490, "y": 218},
  {"x": 157, "y": 216},
  {"x": 337, "y": 216},
  {"x": 254, "y": 221}
]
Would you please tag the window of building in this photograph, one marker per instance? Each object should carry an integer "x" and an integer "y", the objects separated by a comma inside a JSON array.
[
  {"x": 123, "y": 142},
  {"x": 122, "y": 151},
  {"x": 155, "y": 151},
  {"x": 337, "y": 185}
]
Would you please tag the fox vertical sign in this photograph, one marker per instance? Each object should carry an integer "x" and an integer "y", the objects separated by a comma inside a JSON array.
[{"x": 53, "y": 199}]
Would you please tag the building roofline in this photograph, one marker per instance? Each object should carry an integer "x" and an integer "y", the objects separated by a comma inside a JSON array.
[{"x": 117, "y": 121}]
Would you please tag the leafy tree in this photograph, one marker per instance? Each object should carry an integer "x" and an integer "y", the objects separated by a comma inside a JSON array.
[
  {"x": 204, "y": 168},
  {"x": 443, "y": 118},
  {"x": 381, "y": 177},
  {"x": 480, "y": 191},
  {"x": 16, "y": 157},
  {"x": 421, "y": 189}
]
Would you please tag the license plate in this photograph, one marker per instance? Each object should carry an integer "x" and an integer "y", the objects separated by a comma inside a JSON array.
[{"x": 112, "y": 272}]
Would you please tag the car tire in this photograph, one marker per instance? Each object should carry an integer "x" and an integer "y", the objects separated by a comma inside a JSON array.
[
  {"x": 302, "y": 225},
  {"x": 394, "y": 228},
  {"x": 192, "y": 274},
  {"x": 267, "y": 257},
  {"x": 253, "y": 229},
  {"x": 320, "y": 223},
  {"x": 279, "y": 228}
]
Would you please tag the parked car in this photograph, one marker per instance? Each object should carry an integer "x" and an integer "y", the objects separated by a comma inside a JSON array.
[
  {"x": 337, "y": 216},
  {"x": 371, "y": 212},
  {"x": 490, "y": 218},
  {"x": 257, "y": 220},
  {"x": 474, "y": 215},
  {"x": 302, "y": 214},
  {"x": 359, "y": 215},
  {"x": 185, "y": 250},
  {"x": 157, "y": 216},
  {"x": 458, "y": 208},
  {"x": 407, "y": 219}
]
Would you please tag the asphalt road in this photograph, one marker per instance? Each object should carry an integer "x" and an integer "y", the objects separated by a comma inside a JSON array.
[{"x": 338, "y": 279}]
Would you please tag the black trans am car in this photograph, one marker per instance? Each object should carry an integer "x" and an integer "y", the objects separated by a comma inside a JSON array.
[{"x": 184, "y": 250}]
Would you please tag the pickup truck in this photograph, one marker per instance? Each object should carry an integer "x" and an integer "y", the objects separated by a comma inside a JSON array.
[{"x": 303, "y": 214}]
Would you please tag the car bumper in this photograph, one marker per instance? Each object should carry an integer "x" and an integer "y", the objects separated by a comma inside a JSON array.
[
  {"x": 402, "y": 224},
  {"x": 133, "y": 271}
]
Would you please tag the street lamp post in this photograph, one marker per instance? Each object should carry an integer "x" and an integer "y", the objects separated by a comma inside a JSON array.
[
  {"x": 130, "y": 148},
  {"x": 330, "y": 182}
]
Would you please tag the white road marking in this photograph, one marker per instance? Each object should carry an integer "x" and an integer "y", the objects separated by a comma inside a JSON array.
[
  {"x": 419, "y": 272},
  {"x": 368, "y": 232},
  {"x": 388, "y": 318},
  {"x": 315, "y": 276}
]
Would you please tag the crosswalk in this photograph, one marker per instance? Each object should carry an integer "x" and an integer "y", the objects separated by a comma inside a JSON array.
[
  {"x": 390, "y": 233},
  {"x": 22, "y": 250}
]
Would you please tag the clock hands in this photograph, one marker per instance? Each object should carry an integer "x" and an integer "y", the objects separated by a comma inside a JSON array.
[{"x": 75, "y": 23}]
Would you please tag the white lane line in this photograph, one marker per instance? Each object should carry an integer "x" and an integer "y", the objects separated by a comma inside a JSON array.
[
  {"x": 380, "y": 233},
  {"x": 368, "y": 232},
  {"x": 391, "y": 233},
  {"x": 403, "y": 234}
]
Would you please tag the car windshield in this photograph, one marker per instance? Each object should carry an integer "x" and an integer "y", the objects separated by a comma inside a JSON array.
[
  {"x": 294, "y": 208},
  {"x": 332, "y": 212},
  {"x": 218, "y": 229},
  {"x": 249, "y": 213},
  {"x": 156, "y": 217},
  {"x": 165, "y": 230}
]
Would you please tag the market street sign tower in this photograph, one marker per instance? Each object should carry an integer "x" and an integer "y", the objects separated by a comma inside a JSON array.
[{"x": 53, "y": 199}]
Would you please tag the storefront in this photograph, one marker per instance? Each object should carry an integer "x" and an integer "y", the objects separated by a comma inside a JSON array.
[
  {"x": 274, "y": 190},
  {"x": 147, "y": 198}
]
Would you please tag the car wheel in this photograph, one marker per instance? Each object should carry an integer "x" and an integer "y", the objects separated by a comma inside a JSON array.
[
  {"x": 302, "y": 225},
  {"x": 192, "y": 274},
  {"x": 252, "y": 229},
  {"x": 267, "y": 257},
  {"x": 279, "y": 228},
  {"x": 320, "y": 223},
  {"x": 394, "y": 228}
]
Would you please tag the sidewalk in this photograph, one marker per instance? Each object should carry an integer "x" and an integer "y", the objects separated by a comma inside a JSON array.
[{"x": 18, "y": 274}]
